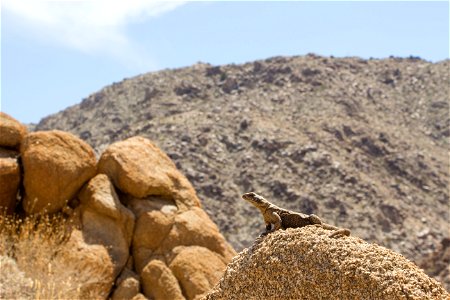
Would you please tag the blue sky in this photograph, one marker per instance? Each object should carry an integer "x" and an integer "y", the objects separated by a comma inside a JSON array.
[{"x": 55, "y": 53}]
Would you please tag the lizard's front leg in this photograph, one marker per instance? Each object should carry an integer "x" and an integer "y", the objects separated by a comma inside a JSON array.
[{"x": 276, "y": 221}]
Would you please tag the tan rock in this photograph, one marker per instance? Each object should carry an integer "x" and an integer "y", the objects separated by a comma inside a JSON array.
[
  {"x": 155, "y": 217},
  {"x": 9, "y": 180},
  {"x": 304, "y": 263},
  {"x": 139, "y": 168},
  {"x": 160, "y": 227},
  {"x": 105, "y": 220},
  {"x": 11, "y": 131},
  {"x": 194, "y": 227},
  {"x": 56, "y": 165},
  {"x": 139, "y": 297},
  {"x": 159, "y": 283},
  {"x": 143, "y": 205},
  {"x": 127, "y": 286},
  {"x": 151, "y": 229},
  {"x": 197, "y": 269}
]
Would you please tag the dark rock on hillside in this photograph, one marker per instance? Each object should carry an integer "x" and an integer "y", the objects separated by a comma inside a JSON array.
[{"x": 361, "y": 143}]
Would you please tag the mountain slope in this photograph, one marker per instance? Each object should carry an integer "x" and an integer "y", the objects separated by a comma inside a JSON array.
[{"x": 361, "y": 143}]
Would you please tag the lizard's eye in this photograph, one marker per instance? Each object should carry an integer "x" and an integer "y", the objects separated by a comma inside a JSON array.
[{"x": 249, "y": 196}]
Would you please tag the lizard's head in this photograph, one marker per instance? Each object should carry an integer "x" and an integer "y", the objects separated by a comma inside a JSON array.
[{"x": 254, "y": 199}]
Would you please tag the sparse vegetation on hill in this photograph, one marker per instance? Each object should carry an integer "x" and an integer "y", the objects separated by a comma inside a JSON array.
[{"x": 361, "y": 143}]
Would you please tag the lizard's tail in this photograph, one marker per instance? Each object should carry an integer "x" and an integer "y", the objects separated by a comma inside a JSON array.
[{"x": 342, "y": 231}]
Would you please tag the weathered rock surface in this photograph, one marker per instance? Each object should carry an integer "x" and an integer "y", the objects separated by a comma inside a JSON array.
[
  {"x": 197, "y": 269},
  {"x": 194, "y": 227},
  {"x": 304, "y": 263},
  {"x": 139, "y": 168},
  {"x": 9, "y": 180},
  {"x": 11, "y": 131},
  {"x": 56, "y": 165},
  {"x": 127, "y": 285},
  {"x": 105, "y": 221},
  {"x": 159, "y": 283},
  {"x": 139, "y": 297},
  {"x": 151, "y": 229}
]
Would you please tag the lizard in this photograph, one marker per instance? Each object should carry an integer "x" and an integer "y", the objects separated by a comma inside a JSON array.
[{"x": 282, "y": 218}]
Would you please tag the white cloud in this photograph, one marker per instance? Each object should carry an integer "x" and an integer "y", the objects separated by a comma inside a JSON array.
[{"x": 90, "y": 26}]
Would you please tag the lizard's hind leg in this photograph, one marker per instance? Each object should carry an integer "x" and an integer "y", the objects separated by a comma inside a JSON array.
[{"x": 314, "y": 219}]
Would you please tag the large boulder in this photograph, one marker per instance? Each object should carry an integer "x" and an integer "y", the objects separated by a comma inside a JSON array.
[
  {"x": 56, "y": 165},
  {"x": 127, "y": 285},
  {"x": 194, "y": 227},
  {"x": 151, "y": 230},
  {"x": 11, "y": 131},
  {"x": 197, "y": 269},
  {"x": 9, "y": 180},
  {"x": 304, "y": 263},
  {"x": 159, "y": 283},
  {"x": 139, "y": 168},
  {"x": 105, "y": 220}
]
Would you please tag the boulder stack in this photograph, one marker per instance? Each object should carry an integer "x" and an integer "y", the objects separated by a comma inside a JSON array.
[
  {"x": 173, "y": 237},
  {"x": 139, "y": 222}
]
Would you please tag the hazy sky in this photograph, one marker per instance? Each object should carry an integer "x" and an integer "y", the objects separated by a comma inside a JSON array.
[{"x": 55, "y": 53}]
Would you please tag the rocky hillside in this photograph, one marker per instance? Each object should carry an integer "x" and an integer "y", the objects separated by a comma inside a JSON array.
[{"x": 361, "y": 143}]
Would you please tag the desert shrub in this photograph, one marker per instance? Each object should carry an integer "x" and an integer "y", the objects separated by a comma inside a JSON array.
[{"x": 36, "y": 261}]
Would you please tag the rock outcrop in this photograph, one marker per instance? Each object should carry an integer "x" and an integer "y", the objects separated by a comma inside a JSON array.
[
  {"x": 304, "y": 263},
  {"x": 56, "y": 165},
  {"x": 168, "y": 216},
  {"x": 11, "y": 131},
  {"x": 136, "y": 225}
]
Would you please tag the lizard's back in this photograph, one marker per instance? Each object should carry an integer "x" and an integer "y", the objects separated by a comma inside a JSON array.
[{"x": 291, "y": 219}]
